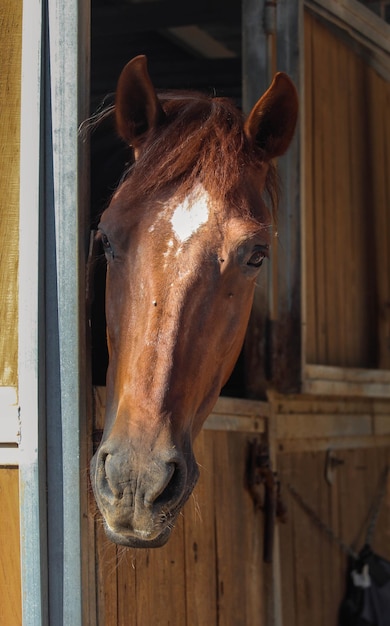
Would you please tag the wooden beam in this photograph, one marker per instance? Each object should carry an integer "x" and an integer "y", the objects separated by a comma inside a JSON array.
[
  {"x": 256, "y": 74},
  {"x": 307, "y": 422},
  {"x": 229, "y": 414},
  {"x": 321, "y": 379},
  {"x": 286, "y": 324},
  {"x": 356, "y": 19},
  {"x": 321, "y": 444},
  {"x": 329, "y": 425}
]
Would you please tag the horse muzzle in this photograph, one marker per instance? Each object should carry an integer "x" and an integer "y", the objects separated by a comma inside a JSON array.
[{"x": 140, "y": 503}]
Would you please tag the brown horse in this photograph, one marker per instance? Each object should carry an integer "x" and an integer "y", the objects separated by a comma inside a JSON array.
[{"x": 185, "y": 235}]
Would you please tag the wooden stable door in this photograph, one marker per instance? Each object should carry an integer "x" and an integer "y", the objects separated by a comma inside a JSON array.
[
  {"x": 211, "y": 571},
  {"x": 330, "y": 452},
  {"x": 347, "y": 187},
  {"x": 313, "y": 566}
]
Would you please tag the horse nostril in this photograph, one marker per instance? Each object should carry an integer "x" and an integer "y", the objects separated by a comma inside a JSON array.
[
  {"x": 108, "y": 474},
  {"x": 170, "y": 489},
  {"x": 119, "y": 484}
]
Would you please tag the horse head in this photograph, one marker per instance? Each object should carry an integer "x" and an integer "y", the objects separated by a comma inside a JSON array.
[{"x": 185, "y": 235}]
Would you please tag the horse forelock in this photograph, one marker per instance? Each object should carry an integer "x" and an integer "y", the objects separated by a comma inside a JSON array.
[{"x": 201, "y": 141}]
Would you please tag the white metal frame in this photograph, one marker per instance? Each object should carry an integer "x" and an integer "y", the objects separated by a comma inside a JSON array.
[
  {"x": 9, "y": 426},
  {"x": 32, "y": 525}
]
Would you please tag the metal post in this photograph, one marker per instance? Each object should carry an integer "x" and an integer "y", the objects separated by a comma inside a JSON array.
[
  {"x": 51, "y": 332},
  {"x": 287, "y": 336},
  {"x": 64, "y": 315}
]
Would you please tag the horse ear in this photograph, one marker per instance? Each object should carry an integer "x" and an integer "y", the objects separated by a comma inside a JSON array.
[
  {"x": 271, "y": 123},
  {"x": 137, "y": 108}
]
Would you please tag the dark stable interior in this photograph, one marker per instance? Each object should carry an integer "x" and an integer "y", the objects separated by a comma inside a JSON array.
[{"x": 194, "y": 45}]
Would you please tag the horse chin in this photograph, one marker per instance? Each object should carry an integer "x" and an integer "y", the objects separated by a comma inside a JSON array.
[
  {"x": 138, "y": 540},
  {"x": 156, "y": 538}
]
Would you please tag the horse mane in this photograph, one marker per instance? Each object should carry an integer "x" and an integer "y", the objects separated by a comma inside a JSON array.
[{"x": 201, "y": 140}]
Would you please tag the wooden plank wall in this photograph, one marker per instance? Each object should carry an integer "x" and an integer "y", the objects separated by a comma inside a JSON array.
[
  {"x": 347, "y": 187},
  {"x": 210, "y": 572},
  {"x": 10, "y": 62},
  {"x": 313, "y": 567},
  {"x": 10, "y": 585}
]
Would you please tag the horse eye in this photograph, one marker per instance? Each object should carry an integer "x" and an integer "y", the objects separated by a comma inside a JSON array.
[
  {"x": 106, "y": 244},
  {"x": 257, "y": 258}
]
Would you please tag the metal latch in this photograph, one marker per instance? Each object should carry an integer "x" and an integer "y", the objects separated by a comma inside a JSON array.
[{"x": 264, "y": 486}]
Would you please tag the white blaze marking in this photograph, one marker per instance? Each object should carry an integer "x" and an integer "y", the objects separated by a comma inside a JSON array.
[{"x": 190, "y": 214}]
